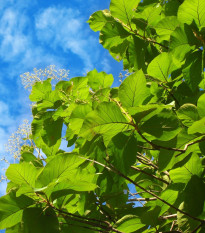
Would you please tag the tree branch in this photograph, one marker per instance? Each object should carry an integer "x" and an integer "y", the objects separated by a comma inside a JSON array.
[
  {"x": 151, "y": 175},
  {"x": 168, "y": 216},
  {"x": 113, "y": 169},
  {"x": 137, "y": 34},
  {"x": 143, "y": 199}
]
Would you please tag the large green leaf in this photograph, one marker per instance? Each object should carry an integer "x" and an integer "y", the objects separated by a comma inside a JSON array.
[
  {"x": 98, "y": 20},
  {"x": 201, "y": 105},
  {"x": 11, "y": 209},
  {"x": 133, "y": 90},
  {"x": 197, "y": 127},
  {"x": 161, "y": 67},
  {"x": 129, "y": 223},
  {"x": 163, "y": 126},
  {"x": 185, "y": 223},
  {"x": 40, "y": 89},
  {"x": 52, "y": 131},
  {"x": 79, "y": 181},
  {"x": 194, "y": 196},
  {"x": 182, "y": 41},
  {"x": 166, "y": 26},
  {"x": 188, "y": 114},
  {"x": 61, "y": 166},
  {"x": 107, "y": 120},
  {"x": 123, "y": 9},
  {"x": 192, "y": 70},
  {"x": 115, "y": 38},
  {"x": 183, "y": 174},
  {"x": 46, "y": 132},
  {"x": 135, "y": 55},
  {"x": 23, "y": 173},
  {"x": 169, "y": 195},
  {"x": 122, "y": 150},
  {"x": 192, "y": 10},
  {"x": 40, "y": 220},
  {"x": 99, "y": 80}
]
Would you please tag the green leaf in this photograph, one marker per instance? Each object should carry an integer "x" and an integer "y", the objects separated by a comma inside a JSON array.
[
  {"x": 11, "y": 209},
  {"x": 115, "y": 38},
  {"x": 135, "y": 55},
  {"x": 192, "y": 10},
  {"x": 99, "y": 80},
  {"x": 192, "y": 70},
  {"x": 98, "y": 20},
  {"x": 40, "y": 89},
  {"x": 191, "y": 168},
  {"x": 46, "y": 132},
  {"x": 169, "y": 195},
  {"x": 163, "y": 126},
  {"x": 122, "y": 149},
  {"x": 40, "y": 220},
  {"x": 188, "y": 114},
  {"x": 29, "y": 157},
  {"x": 61, "y": 166},
  {"x": 133, "y": 90},
  {"x": 129, "y": 223},
  {"x": 52, "y": 131},
  {"x": 166, "y": 26},
  {"x": 123, "y": 9},
  {"x": 161, "y": 67},
  {"x": 193, "y": 196},
  {"x": 107, "y": 120},
  {"x": 185, "y": 223},
  {"x": 197, "y": 127},
  {"x": 23, "y": 173},
  {"x": 201, "y": 105},
  {"x": 182, "y": 41},
  {"x": 80, "y": 181}
]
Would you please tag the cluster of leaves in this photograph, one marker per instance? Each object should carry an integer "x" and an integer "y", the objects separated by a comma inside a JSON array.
[{"x": 148, "y": 132}]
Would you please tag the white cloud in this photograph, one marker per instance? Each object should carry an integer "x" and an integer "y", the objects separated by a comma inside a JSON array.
[
  {"x": 5, "y": 118},
  {"x": 64, "y": 27},
  {"x": 13, "y": 41}
]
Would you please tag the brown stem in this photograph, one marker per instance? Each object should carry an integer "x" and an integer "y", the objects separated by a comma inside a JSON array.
[
  {"x": 151, "y": 175},
  {"x": 85, "y": 221},
  {"x": 189, "y": 144},
  {"x": 85, "y": 227},
  {"x": 137, "y": 34},
  {"x": 163, "y": 147},
  {"x": 168, "y": 216},
  {"x": 113, "y": 169},
  {"x": 153, "y": 194},
  {"x": 197, "y": 228},
  {"x": 172, "y": 226},
  {"x": 149, "y": 162},
  {"x": 143, "y": 199}
]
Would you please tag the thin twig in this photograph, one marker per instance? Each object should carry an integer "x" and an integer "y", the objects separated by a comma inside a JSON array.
[
  {"x": 137, "y": 34},
  {"x": 168, "y": 216},
  {"x": 113, "y": 169},
  {"x": 143, "y": 199},
  {"x": 172, "y": 226},
  {"x": 197, "y": 228},
  {"x": 151, "y": 175}
]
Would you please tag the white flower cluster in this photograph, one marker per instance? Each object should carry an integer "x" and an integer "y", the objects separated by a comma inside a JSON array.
[
  {"x": 18, "y": 139},
  {"x": 28, "y": 79}
]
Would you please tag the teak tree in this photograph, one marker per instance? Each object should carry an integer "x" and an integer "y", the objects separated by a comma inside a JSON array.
[{"x": 147, "y": 135}]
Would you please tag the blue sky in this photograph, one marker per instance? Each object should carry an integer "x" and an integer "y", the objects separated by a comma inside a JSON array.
[{"x": 36, "y": 34}]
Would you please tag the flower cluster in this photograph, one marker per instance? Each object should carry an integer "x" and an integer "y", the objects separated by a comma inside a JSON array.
[
  {"x": 28, "y": 79},
  {"x": 18, "y": 139}
]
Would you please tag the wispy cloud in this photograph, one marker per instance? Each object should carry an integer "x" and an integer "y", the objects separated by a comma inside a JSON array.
[{"x": 65, "y": 28}]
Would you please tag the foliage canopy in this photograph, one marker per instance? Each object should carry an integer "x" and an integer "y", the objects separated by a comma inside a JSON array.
[{"x": 148, "y": 132}]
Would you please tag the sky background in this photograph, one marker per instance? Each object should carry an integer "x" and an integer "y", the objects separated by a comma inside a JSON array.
[{"x": 36, "y": 34}]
